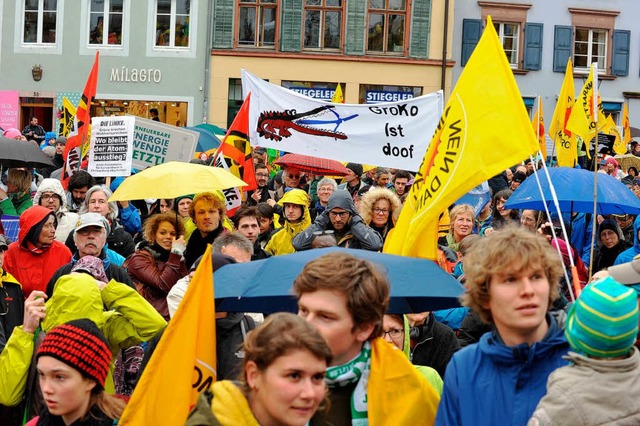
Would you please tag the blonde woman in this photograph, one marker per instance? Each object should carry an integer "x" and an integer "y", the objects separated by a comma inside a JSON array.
[{"x": 380, "y": 209}]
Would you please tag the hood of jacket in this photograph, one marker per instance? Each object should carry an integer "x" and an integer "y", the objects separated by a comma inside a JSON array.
[
  {"x": 369, "y": 199},
  {"x": 492, "y": 346},
  {"x": 50, "y": 185},
  {"x": 298, "y": 197},
  {"x": 342, "y": 200},
  {"x": 636, "y": 229},
  {"x": 29, "y": 218},
  {"x": 75, "y": 296}
]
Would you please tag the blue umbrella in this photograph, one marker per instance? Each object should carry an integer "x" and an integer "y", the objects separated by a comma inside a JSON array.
[
  {"x": 207, "y": 139},
  {"x": 574, "y": 188},
  {"x": 417, "y": 285}
]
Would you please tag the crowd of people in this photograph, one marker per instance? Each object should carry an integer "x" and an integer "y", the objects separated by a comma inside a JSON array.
[{"x": 89, "y": 285}]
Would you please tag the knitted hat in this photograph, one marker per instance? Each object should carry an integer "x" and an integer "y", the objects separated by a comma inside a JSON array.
[
  {"x": 12, "y": 133},
  {"x": 80, "y": 345},
  {"x": 61, "y": 140},
  {"x": 603, "y": 321},
  {"x": 182, "y": 197},
  {"x": 519, "y": 177},
  {"x": 91, "y": 265},
  {"x": 609, "y": 224},
  {"x": 355, "y": 168}
]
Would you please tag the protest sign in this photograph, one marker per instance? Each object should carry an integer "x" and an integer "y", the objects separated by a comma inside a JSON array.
[
  {"x": 9, "y": 107},
  {"x": 111, "y": 146},
  {"x": 392, "y": 134},
  {"x": 157, "y": 143}
]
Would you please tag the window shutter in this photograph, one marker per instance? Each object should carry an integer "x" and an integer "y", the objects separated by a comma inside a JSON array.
[
  {"x": 222, "y": 29},
  {"x": 532, "y": 46},
  {"x": 562, "y": 47},
  {"x": 356, "y": 27},
  {"x": 291, "y": 27},
  {"x": 420, "y": 29},
  {"x": 620, "y": 57},
  {"x": 471, "y": 32}
]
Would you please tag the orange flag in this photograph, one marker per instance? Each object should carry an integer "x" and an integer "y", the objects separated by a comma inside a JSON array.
[{"x": 73, "y": 150}]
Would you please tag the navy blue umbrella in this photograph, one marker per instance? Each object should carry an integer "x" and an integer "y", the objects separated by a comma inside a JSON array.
[
  {"x": 417, "y": 285},
  {"x": 574, "y": 188}
]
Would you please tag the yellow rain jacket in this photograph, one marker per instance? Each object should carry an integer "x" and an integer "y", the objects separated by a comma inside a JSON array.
[{"x": 280, "y": 242}]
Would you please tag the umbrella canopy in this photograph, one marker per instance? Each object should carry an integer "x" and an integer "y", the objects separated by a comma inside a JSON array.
[
  {"x": 627, "y": 160},
  {"x": 15, "y": 153},
  {"x": 207, "y": 140},
  {"x": 173, "y": 179},
  {"x": 319, "y": 166},
  {"x": 417, "y": 285},
  {"x": 574, "y": 188}
]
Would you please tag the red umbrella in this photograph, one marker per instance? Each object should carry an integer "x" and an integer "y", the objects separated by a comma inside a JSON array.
[{"x": 319, "y": 166}]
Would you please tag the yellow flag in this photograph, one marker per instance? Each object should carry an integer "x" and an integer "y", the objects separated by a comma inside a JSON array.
[
  {"x": 483, "y": 130},
  {"x": 610, "y": 128},
  {"x": 626, "y": 127},
  {"x": 538, "y": 128},
  {"x": 67, "y": 117},
  {"x": 565, "y": 141},
  {"x": 337, "y": 97},
  {"x": 184, "y": 362},
  {"x": 582, "y": 119}
]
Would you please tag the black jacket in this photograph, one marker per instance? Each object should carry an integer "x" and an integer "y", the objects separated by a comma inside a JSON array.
[
  {"x": 197, "y": 245},
  {"x": 230, "y": 333},
  {"x": 11, "y": 307},
  {"x": 436, "y": 344}
]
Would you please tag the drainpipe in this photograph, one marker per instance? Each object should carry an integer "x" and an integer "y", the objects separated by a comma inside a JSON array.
[
  {"x": 443, "y": 73},
  {"x": 207, "y": 63}
]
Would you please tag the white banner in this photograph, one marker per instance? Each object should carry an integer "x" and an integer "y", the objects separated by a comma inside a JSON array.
[
  {"x": 391, "y": 134},
  {"x": 111, "y": 146},
  {"x": 157, "y": 143}
]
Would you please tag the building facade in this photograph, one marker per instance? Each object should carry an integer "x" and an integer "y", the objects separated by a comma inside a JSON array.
[
  {"x": 539, "y": 37},
  {"x": 377, "y": 50},
  {"x": 153, "y": 55}
]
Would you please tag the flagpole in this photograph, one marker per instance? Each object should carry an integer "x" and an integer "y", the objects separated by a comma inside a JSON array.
[{"x": 594, "y": 108}]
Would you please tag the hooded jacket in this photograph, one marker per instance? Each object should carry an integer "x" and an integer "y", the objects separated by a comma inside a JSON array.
[
  {"x": 33, "y": 266},
  {"x": 355, "y": 234},
  {"x": 123, "y": 316},
  {"x": 66, "y": 220},
  {"x": 16, "y": 204},
  {"x": 490, "y": 383},
  {"x": 435, "y": 345},
  {"x": 630, "y": 253},
  {"x": 281, "y": 240},
  {"x": 429, "y": 373}
]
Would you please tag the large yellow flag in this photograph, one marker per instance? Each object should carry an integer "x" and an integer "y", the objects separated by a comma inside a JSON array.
[
  {"x": 483, "y": 130},
  {"x": 565, "y": 141},
  {"x": 184, "y": 362},
  {"x": 583, "y": 120},
  {"x": 538, "y": 128},
  {"x": 626, "y": 127},
  {"x": 610, "y": 128}
]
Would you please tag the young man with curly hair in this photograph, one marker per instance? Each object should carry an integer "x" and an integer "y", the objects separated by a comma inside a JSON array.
[{"x": 512, "y": 280}]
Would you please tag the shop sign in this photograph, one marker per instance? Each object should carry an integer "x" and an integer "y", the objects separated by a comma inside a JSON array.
[
  {"x": 135, "y": 75},
  {"x": 377, "y": 96}
]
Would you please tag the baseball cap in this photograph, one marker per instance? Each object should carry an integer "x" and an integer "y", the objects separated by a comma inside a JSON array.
[
  {"x": 627, "y": 273},
  {"x": 4, "y": 244},
  {"x": 92, "y": 219}
]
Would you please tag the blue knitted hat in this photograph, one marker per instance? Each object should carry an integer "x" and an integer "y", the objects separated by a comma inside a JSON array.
[{"x": 603, "y": 321}]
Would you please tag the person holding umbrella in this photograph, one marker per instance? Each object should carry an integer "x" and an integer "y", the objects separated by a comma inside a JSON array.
[{"x": 17, "y": 198}]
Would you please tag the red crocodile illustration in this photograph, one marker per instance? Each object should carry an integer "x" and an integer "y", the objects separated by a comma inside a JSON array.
[{"x": 276, "y": 125}]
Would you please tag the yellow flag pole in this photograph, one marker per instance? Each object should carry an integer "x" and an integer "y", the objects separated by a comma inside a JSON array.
[{"x": 594, "y": 71}]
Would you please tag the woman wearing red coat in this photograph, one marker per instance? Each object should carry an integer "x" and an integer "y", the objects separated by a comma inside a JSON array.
[
  {"x": 158, "y": 263},
  {"x": 36, "y": 255}
]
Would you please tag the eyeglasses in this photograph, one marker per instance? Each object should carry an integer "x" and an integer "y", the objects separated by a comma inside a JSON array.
[
  {"x": 380, "y": 211},
  {"x": 262, "y": 174},
  {"x": 393, "y": 333},
  {"x": 293, "y": 176},
  {"x": 338, "y": 214},
  {"x": 47, "y": 197}
]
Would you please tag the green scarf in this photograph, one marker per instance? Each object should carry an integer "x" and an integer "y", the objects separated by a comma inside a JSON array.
[
  {"x": 451, "y": 242},
  {"x": 355, "y": 371}
]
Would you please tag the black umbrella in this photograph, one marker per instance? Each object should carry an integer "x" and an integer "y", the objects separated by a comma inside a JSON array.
[{"x": 15, "y": 153}]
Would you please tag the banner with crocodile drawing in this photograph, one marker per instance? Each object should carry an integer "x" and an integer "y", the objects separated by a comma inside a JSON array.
[{"x": 390, "y": 134}]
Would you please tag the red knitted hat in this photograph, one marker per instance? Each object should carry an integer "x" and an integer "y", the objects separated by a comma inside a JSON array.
[{"x": 81, "y": 345}]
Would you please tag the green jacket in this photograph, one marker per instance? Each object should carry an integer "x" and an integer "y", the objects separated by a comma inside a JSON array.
[
  {"x": 128, "y": 320},
  {"x": 16, "y": 204}
]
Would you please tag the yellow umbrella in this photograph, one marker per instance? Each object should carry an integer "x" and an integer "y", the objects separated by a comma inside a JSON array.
[{"x": 173, "y": 179}]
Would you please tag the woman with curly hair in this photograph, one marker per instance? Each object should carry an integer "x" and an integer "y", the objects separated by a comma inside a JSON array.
[
  {"x": 502, "y": 216},
  {"x": 380, "y": 209},
  {"x": 158, "y": 263}
]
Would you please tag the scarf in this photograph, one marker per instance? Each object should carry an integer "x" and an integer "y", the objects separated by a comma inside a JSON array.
[
  {"x": 355, "y": 371},
  {"x": 451, "y": 242},
  {"x": 229, "y": 405},
  {"x": 159, "y": 253}
]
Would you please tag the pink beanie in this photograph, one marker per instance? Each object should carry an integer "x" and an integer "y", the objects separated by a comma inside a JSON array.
[{"x": 12, "y": 133}]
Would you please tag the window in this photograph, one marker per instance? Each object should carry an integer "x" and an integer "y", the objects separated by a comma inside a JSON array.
[
  {"x": 509, "y": 35},
  {"x": 257, "y": 26},
  {"x": 385, "y": 30},
  {"x": 234, "y": 99},
  {"x": 172, "y": 23},
  {"x": 590, "y": 46},
  {"x": 105, "y": 22},
  {"x": 323, "y": 24},
  {"x": 39, "y": 24}
]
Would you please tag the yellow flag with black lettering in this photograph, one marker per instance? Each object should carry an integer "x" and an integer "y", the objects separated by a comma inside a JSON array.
[
  {"x": 565, "y": 141},
  {"x": 184, "y": 362},
  {"x": 483, "y": 130},
  {"x": 583, "y": 119}
]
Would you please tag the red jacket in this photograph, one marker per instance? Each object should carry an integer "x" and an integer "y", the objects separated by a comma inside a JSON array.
[{"x": 33, "y": 268}]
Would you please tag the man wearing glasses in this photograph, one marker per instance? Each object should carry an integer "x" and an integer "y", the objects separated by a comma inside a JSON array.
[
  {"x": 262, "y": 193},
  {"x": 341, "y": 217}
]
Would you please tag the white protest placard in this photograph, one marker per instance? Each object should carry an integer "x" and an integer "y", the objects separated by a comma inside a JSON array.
[
  {"x": 111, "y": 146},
  {"x": 390, "y": 134},
  {"x": 157, "y": 143}
]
